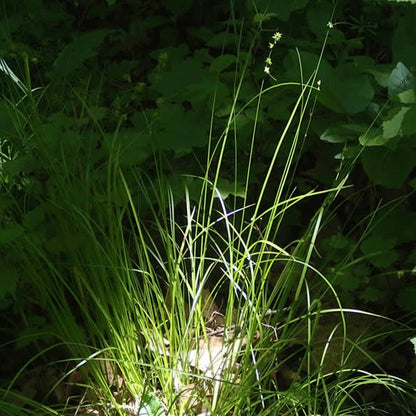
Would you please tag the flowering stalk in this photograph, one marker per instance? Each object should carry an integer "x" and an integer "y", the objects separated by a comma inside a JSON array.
[{"x": 275, "y": 38}]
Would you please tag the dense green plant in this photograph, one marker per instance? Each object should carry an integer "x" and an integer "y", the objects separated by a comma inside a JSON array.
[
  {"x": 156, "y": 65},
  {"x": 132, "y": 213}
]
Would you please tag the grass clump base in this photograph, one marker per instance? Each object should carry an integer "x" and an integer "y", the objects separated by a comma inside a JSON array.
[{"x": 173, "y": 296}]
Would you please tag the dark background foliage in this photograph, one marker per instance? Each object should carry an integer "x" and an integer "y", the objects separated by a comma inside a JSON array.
[{"x": 149, "y": 69}]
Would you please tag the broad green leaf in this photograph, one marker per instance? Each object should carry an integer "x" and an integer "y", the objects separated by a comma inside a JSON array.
[
  {"x": 183, "y": 74},
  {"x": 149, "y": 406},
  {"x": 386, "y": 225},
  {"x": 381, "y": 76},
  {"x": 393, "y": 127},
  {"x": 387, "y": 167},
  {"x": 35, "y": 217},
  {"x": 317, "y": 16},
  {"x": 10, "y": 234},
  {"x": 400, "y": 80},
  {"x": 406, "y": 298},
  {"x": 333, "y": 135},
  {"x": 78, "y": 51},
  {"x": 8, "y": 280},
  {"x": 379, "y": 250},
  {"x": 282, "y": 9},
  {"x": 370, "y": 294},
  {"x": 409, "y": 122},
  {"x": 346, "y": 90},
  {"x": 222, "y": 62},
  {"x": 373, "y": 137},
  {"x": 203, "y": 94},
  {"x": 177, "y": 6},
  {"x": 407, "y": 97},
  {"x": 8, "y": 122},
  {"x": 180, "y": 130},
  {"x": 404, "y": 1},
  {"x": 403, "y": 44},
  {"x": 129, "y": 146},
  {"x": 342, "y": 133},
  {"x": 227, "y": 188},
  {"x": 263, "y": 17}
]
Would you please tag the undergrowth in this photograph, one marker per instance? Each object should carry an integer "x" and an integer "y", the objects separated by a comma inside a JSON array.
[{"x": 168, "y": 294}]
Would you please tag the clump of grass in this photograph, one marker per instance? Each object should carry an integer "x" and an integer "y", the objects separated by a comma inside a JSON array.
[{"x": 191, "y": 308}]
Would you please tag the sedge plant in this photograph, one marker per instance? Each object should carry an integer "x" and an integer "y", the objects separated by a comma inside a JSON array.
[{"x": 173, "y": 300}]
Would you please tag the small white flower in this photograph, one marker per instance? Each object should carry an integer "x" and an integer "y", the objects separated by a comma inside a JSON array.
[
  {"x": 268, "y": 61},
  {"x": 330, "y": 25},
  {"x": 277, "y": 36},
  {"x": 271, "y": 45},
  {"x": 267, "y": 71}
]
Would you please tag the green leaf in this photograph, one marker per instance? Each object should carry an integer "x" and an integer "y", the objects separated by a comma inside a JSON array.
[
  {"x": 409, "y": 122},
  {"x": 176, "y": 7},
  {"x": 150, "y": 406},
  {"x": 263, "y": 17},
  {"x": 170, "y": 133},
  {"x": 131, "y": 146},
  {"x": 370, "y": 294},
  {"x": 8, "y": 280},
  {"x": 407, "y": 97},
  {"x": 227, "y": 188},
  {"x": 222, "y": 62},
  {"x": 403, "y": 44},
  {"x": 387, "y": 167},
  {"x": 8, "y": 121},
  {"x": 282, "y": 9},
  {"x": 10, "y": 234},
  {"x": 373, "y": 137},
  {"x": 380, "y": 250},
  {"x": 346, "y": 90},
  {"x": 182, "y": 74},
  {"x": 393, "y": 127},
  {"x": 333, "y": 135},
  {"x": 78, "y": 51},
  {"x": 341, "y": 133},
  {"x": 406, "y": 298},
  {"x": 400, "y": 80}
]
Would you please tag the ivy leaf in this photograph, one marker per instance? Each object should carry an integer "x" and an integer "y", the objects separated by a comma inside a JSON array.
[{"x": 400, "y": 80}]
